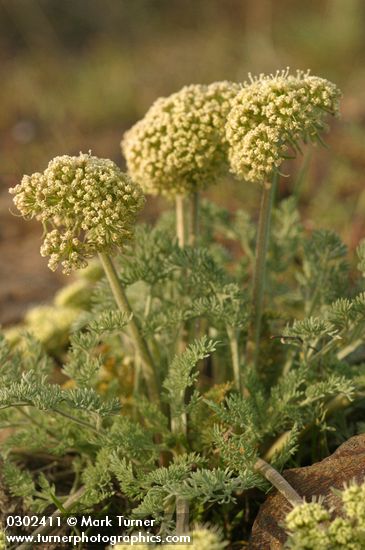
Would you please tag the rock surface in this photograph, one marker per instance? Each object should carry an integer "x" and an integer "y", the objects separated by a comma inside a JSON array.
[{"x": 347, "y": 463}]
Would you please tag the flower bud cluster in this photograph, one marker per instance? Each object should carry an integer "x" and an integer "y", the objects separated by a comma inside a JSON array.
[
  {"x": 272, "y": 114},
  {"x": 86, "y": 204},
  {"x": 353, "y": 498},
  {"x": 341, "y": 535},
  {"x": 305, "y": 524},
  {"x": 180, "y": 146},
  {"x": 311, "y": 526}
]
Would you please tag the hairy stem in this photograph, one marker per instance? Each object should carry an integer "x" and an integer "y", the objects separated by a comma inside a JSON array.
[
  {"x": 178, "y": 423},
  {"x": 194, "y": 218},
  {"x": 233, "y": 343},
  {"x": 180, "y": 220},
  {"x": 263, "y": 234},
  {"x": 178, "y": 427},
  {"x": 347, "y": 350},
  {"x": 278, "y": 481},
  {"x": 182, "y": 516},
  {"x": 148, "y": 367}
]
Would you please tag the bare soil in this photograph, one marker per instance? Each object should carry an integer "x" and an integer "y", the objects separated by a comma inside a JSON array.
[{"x": 25, "y": 279}]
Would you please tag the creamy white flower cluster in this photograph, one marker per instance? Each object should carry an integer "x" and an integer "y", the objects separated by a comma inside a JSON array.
[
  {"x": 310, "y": 524},
  {"x": 180, "y": 146},
  {"x": 353, "y": 498},
  {"x": 272, "y": 114},
  {"x": 86, "y": 204}
]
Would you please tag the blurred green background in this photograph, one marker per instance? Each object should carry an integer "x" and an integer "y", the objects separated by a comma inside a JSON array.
[{"x": 77, "y": 73}]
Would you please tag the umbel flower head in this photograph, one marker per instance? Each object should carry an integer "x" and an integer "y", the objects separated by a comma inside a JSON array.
[
  {"x": 353, "y": 498},
  {"x": 86, "y": 204},
  {"x": 180, "y": 146},
  {"x": 272, "y": 114},
  {"x": 310, "y": 525}
]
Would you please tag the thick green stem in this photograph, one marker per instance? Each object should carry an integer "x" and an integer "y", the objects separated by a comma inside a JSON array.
[
  {"x": 148, "y": 367},
  {"x": 182, "y": 516},
  {"x": 278, "y": 481},
  {"x": 233, "y": 343},
  {"x": 180, "y": 233},
  {"x": 263, "y": 234},
  {"x": 178, "y": 426},
  {"x": 180, "y": 220},
  {"x": 194, "y": 218},
  {"x": 193, "y": 234}
]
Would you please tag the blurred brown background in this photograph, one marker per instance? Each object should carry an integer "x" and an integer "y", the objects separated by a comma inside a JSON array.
[{"x": 77, "y": 73}]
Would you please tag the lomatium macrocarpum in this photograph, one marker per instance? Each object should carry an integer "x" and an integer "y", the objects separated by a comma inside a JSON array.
[
  {"x": 179, "y": 147},
  {"x": 271, "y": 116},
  {"x": 87, "y": 206}
]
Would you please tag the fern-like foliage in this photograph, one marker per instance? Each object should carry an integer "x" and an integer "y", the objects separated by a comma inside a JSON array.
[
  {"x": 182, "y": 373},
  {"x": 325, "y": 270},
  {"x": 84, "y": 411}
]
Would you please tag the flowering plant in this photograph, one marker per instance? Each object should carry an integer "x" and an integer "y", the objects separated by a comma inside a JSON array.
[
  {"x": 184, "y": 384},
  {"x": 274, "y": 113},
  {"x": 179, "y": 146},
  {"x": 86, "y": 204},
  {"x": 311, "y": 526}
]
